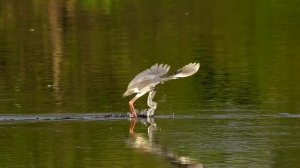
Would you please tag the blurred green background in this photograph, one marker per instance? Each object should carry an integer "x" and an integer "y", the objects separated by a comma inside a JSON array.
[{"x": 79, "y": 56}]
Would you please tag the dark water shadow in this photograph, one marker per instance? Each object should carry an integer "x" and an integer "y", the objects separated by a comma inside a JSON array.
[
  {"x": 149, "y": 143},
  {"x": 67, "y": 117},
  {"x": 118, "y": 116},
  {"x": 60, "y": 117}
]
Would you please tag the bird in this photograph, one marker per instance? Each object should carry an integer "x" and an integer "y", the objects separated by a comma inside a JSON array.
[{"x": 146, "y": 81}]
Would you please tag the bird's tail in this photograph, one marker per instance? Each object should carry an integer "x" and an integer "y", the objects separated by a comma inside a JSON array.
[{"x": 187, "y": 70}]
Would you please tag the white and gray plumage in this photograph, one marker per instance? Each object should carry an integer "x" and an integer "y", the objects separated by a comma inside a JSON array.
[{"x": 146, "y": 81}]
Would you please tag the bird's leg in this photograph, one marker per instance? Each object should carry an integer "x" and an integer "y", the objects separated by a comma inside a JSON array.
[
  {"x": 132, "y": 125},
  {"x": 133, "y": 113},
  {"x": 132, "y": 110}
]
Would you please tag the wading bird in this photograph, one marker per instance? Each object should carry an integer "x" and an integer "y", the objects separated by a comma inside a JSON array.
[{"x": 146, "y": 81}]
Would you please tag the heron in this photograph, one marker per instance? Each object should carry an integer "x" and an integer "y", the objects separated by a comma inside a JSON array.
[{"x": 146, "y": 81}]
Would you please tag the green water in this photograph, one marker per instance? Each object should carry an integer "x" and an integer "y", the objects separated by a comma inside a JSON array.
[{"x": 242, "y": 109}]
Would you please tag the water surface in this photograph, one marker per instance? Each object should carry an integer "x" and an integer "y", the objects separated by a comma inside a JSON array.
[{"x": 77, "y": 57}]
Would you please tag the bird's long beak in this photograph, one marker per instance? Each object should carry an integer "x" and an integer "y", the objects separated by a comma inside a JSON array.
[{"x": 126, "y": 94}]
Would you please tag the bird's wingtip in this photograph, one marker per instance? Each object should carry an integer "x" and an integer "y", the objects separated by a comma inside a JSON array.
[{"x": 187, "y": 70}]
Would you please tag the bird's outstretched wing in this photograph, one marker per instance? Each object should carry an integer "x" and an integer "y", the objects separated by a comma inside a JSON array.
[
  {"x": 187, "y": 70},
  {"x": 156, "y": 70}
]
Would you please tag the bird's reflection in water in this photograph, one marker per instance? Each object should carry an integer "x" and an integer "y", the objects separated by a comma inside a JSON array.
[{"x": 150, "y": 144}]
